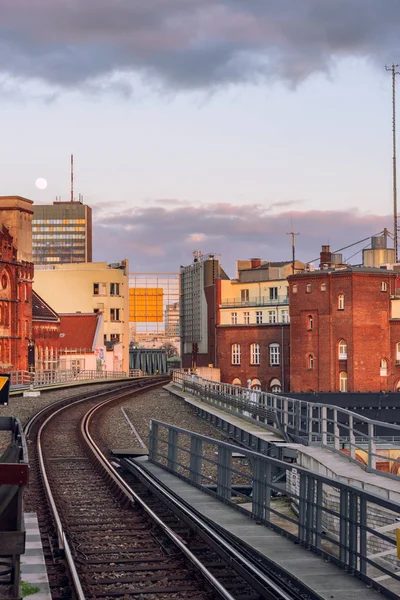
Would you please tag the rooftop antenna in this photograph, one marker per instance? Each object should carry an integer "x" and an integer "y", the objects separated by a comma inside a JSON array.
[
  {"x": 395, "y": 231},
  {"x": 292, "y": 233},
  {"x": 72, "y": 177}
]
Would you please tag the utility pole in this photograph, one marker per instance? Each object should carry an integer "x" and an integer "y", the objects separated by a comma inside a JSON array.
[
  {"x": 292, "y": 233},
  {"x": 395, "y": 232}
]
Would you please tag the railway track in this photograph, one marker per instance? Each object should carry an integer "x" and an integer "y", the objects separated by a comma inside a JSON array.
[{"x": 121, "y": 540}]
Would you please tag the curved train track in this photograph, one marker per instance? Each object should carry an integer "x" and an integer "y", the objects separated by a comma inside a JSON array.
[{"x": 127, "y": 540}]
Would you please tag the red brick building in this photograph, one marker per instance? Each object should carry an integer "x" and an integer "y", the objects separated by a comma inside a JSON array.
[
  {"x": 259, "y": 353},
  {"x": 15, "y": 304},
  {"x": 345, "y": 330},
  {"x": 46, "y": 334}
]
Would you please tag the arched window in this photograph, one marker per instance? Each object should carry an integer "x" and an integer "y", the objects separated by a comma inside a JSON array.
[
  {"x": 340, "y": 303},
  {"x": 275, "y": 386},
  {"x": 398, "y": 352},
  {"x": 310, "y": 361},
  {"x": 255, "y": 354},
  {"x": 342, "y": 350},
  {"x": 343, "y": 381},
  {"x": 309, "y": 288},
  {"x": 236, "y": 354},
  {"x": 236, "y": 381},
  {"x": 323, "y": 287},
  {"x": 383, "y": 367},
  {"x": 274, "y": 355},
  {"x": 294, "y": 289},
  {"x": 383, "y": 286},
  {"x": 255, "y": 384},
  {"x": 310, "y": 322}
]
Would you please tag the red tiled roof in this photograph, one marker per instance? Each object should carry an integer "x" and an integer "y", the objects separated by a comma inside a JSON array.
[{"x": 78, "y": 331}]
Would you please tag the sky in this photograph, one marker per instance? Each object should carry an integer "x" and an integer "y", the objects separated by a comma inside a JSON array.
[{"x": 212, "y": 125}]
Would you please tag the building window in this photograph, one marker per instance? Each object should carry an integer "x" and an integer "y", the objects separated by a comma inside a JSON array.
[
  {"x": 246, "y": 318},
  {"x": 383, "y": 286},
  {"x": 294, "y": 289},
  {"x": 398, "y": 352},
  {"x": 271, "y": 316},
  {"x": 275, "y": 386},
  {"x": 114, "y": 337},
  {"x": 309, "y": 288},
  {"x": 310, "y": 322},
  {"x": 99, "y": 289},
  {"x": 343, "y": 381},
  {"x": 274, "y": 355},
  {"x": 273, "y": 293},
  {"x": 234, "y": 319},
  {"x": 236, "y": 354},
  {"x": 285, "y": 316},
  {"x": 114, "y": 314},
  {"x": 244, "y": 295},
  {"x": 340, "y": 303},
  {"x": 323, "y": 287},
  {"x": 383, "y": 367},
  {"x": 255, "y": 354},
  {"x": 259, "y": 317},
  {"x": 114, "y": 289},
  {"x": 236, "y": 381},
  {"x": 342, "y": 350},
  {"x": 310, "y": 361}
]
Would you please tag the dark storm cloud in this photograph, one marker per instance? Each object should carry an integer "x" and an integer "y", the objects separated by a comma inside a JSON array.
[
  {"x": 154, "y": 238},
  {"x": 191, "y": 44}
]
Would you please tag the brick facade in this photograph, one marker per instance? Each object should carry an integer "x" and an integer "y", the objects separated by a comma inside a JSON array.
[
  {"x": 263, "y": 335},
  {"x": 15, "y": 305},
  {"x": 341, "y": 323}
]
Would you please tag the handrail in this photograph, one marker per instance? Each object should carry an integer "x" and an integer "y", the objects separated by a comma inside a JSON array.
[
  {"x": 351, "y": 526},
  {"x": 353, "y": 436}
]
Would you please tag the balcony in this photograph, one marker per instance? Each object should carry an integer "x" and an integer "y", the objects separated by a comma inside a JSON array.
[{"x": 259, "y": 301}]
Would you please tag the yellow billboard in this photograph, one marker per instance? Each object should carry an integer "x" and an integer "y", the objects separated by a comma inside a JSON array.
[{"x": 145, "y": 305}]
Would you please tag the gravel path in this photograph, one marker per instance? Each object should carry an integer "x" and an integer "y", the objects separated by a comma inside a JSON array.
[{"x": 158, "y": 404}]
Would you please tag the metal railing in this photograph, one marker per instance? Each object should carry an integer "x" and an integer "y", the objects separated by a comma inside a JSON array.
[
  {"x": 13, "y": 478},
  {"x": 368, "y": 443},
  {"x": 350, "y": 526},
  {"x": 256, "y": 301},
  {"x": 45, "y": 378}
]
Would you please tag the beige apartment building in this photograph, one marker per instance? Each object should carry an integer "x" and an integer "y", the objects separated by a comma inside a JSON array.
[{"x": 90, "y": 287}]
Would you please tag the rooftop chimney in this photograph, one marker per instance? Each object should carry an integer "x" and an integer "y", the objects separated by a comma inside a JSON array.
[
  {"x": 325, "y": 260},
  {"x": 255, "y": 262}
]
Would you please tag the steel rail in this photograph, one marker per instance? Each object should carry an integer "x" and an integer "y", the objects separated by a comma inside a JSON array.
[
  {"x": 61, "y": 536},
  {"x": 135, "y": 498},
  {"x": 203, "y": 525}
]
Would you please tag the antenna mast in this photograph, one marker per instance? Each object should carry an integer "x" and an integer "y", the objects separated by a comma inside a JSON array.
[
  {"x": 292, "y": 233},
  {"x": 395, "y": 232},
  {"x": 72, "y": 177}
]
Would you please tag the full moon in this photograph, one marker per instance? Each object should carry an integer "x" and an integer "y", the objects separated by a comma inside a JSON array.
[{"x": 41, "y": 183}]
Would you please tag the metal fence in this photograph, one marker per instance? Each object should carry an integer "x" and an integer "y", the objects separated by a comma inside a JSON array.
[
  {"x": 368, "y": 443},
  {"x": 13, "y": 478},
  {"x": 45, "y": 378},
  {"x": 350, "y": 526}
]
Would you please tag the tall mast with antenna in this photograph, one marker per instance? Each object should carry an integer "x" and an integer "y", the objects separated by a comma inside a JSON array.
[
  {"x": 72, "y": 177},
  {"x": 395, "y": 232},
  {"x": 292, "y": 233}
]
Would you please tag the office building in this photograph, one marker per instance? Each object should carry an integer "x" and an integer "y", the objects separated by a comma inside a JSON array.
[{"x": 62, "y": 233}]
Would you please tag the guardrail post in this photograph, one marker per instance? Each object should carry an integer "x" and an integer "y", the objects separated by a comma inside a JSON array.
[
  {"x": 336, "y": 432},
  {"x": 371, "y": 447},
  {"x": 260, "y": 490},
  {"x": 285, "y": 414},
  {"x": 324, "y": 425},
  {"x": 353, "y": 541},
  {"x": 195, "y": 460},
  {"x": 172, "y": 449},
  {"x": 302, "y": 507},
  {"x": 352, "y": 439},
  {"x": 343, "y": 526},
  {"x": 318, "y": 514},
  {"x": 224, "y": 473},
  {"x": 362, "y": 524}
]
